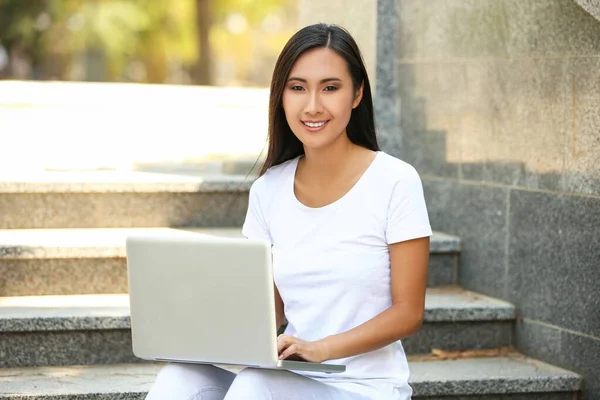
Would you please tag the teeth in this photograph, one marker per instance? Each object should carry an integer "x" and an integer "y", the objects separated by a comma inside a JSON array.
[{"x": 314, "y": 125}]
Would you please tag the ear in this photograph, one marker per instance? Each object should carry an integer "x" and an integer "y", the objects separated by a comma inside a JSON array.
[{"x": 358, "y": 96}]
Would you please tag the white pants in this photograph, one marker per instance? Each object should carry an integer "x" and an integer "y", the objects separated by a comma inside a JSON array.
[{"x": 207, "y": 382}]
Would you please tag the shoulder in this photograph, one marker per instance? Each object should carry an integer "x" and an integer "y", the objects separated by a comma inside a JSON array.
[
  {"x": 396, "y": 171},
  {"x": 272, "y": 178}
]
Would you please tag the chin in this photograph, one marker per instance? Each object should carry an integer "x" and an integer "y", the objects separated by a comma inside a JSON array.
[
  {"x": 316, "y": 140},
  {"x": 315, "y": 143}
]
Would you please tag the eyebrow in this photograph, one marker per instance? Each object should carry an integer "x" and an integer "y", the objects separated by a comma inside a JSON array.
[{"x": 293, "y": 78}]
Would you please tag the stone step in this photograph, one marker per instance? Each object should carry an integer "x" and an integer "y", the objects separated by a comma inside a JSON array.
[
  {"x": 94, "y": 329},
  {"x": 500, "y": 378},
  {"x": 494, "y": 378},
  {"x": 111, "y": 199},
  {"x": 92, "y": 261}
]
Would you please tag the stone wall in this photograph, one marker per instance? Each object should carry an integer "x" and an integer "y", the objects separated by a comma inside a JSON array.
[
  {"x": 500, "y": 113},
  {"x": 591, "y": 6},
  {"x": 360, "y": 20}
]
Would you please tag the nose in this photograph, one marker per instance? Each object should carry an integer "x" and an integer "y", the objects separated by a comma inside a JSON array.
[{"x": 313, "y": 104}]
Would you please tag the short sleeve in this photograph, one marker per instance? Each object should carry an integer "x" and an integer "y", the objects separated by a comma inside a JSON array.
[
  {"x": 255, "y": 225},
  {"x": 407, "y": 213}
]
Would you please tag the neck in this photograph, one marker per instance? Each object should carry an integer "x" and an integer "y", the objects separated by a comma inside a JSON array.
[{"x": 330, "y": 161}]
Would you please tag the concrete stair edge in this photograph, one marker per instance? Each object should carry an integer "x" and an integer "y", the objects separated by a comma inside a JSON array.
[
  {"x": 93, "y": 312},
  {"x": 477, "y": 376},
  {"x": 493, "y": 375}
]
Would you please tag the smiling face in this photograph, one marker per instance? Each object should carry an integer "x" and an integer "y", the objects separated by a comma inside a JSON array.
[{"x": 319, "y": 97}]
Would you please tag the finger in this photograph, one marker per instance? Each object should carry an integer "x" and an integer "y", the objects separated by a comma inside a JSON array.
[
  {"x": 285, "y": 341},
  {"x": 281, "y": 337},
  {"x": 293, "y": 349},
  {"x": 282, "y": 345}
]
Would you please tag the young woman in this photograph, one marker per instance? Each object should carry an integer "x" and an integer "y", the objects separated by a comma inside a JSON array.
[{"x": 350, "y": 236}]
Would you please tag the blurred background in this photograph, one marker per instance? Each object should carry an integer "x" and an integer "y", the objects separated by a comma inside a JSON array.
[
  {"x": 167, "y": 86},
  {"x": 204, "y": 42}
]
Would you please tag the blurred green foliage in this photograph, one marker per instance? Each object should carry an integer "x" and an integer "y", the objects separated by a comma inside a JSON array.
[{"x": 56, "y": 36}]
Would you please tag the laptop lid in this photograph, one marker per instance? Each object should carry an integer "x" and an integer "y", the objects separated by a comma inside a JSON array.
[{"x": 196, "y": 298}]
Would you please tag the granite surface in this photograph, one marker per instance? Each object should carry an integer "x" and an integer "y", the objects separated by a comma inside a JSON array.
[
  {"x": 433, "y": 104},
  {"x": 64, "y": 341},
  {"x": 463, "y": 335},
  {"x": 63, "y": 276},
  {"x": 175, "y": 210},
  {"x": 64, "y": 313},
  {"x": 480, "y": 376},
  {"x": 478, "y": 214},
  {"x": 446, "y": 305},
  {"x": 504, "y": 139},
  {"x": 386, "y": 101},
  {"x": 581, "y": 156},
  {"x": 508, "y": 126},
  {"x": 577, "y": 354},
  {"x": 60, "y": 348},
  {"x": 112, "y": 382},
  {"x": 553, "y": 251},
  {"x": 487, "y": 131},
  {"x": 444, "y": 243},
  {"x": 390, "y": 140},
  {"x": 69, "y": 276},
  {"x": 88, "y": 261},
  {"x": 111, "y": 311},
  {"x": 105, "y": 210},
  {"x": 445, "y": 378},
  {"x": 54, "y": 210},
  {"x": 501, "y": 91},
  {"x": 521, "y": 396},
  {"x": 464, "y": 30},
  {"x": 567, "y": 349},
  {"x": 558, "y": 28},
  {"x": 455, "y": 29},
  {"x": 591, "y": 6},
  {"x": 442, "y": 269}
]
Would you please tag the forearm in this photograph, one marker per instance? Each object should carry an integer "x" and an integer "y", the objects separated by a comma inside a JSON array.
[{"x": 391, "y": 325}]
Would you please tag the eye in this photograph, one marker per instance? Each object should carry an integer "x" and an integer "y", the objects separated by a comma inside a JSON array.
[
  {"x": 296, "y": 87},
  {"x": 330, "y": 88}
]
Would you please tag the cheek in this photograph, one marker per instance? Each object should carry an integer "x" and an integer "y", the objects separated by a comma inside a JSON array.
[
  {"x": 341, "y": 109},
  {"x": 289, "y": 106}
]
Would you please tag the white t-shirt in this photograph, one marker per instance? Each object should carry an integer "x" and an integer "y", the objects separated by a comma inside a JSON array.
[{"x": 331, "y": 264}]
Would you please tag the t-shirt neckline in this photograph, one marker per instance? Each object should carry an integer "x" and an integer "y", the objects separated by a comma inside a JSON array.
[{"x": 334, "y": 203}]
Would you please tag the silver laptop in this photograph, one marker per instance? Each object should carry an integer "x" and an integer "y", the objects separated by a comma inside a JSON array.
[{"x": 203, "y": 299}]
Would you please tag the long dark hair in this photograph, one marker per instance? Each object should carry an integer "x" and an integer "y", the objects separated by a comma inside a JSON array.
[{"x": 283, "y": 144}]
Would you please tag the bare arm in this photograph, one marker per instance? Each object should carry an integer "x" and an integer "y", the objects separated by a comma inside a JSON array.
[{"x": 404, "y": 318}]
